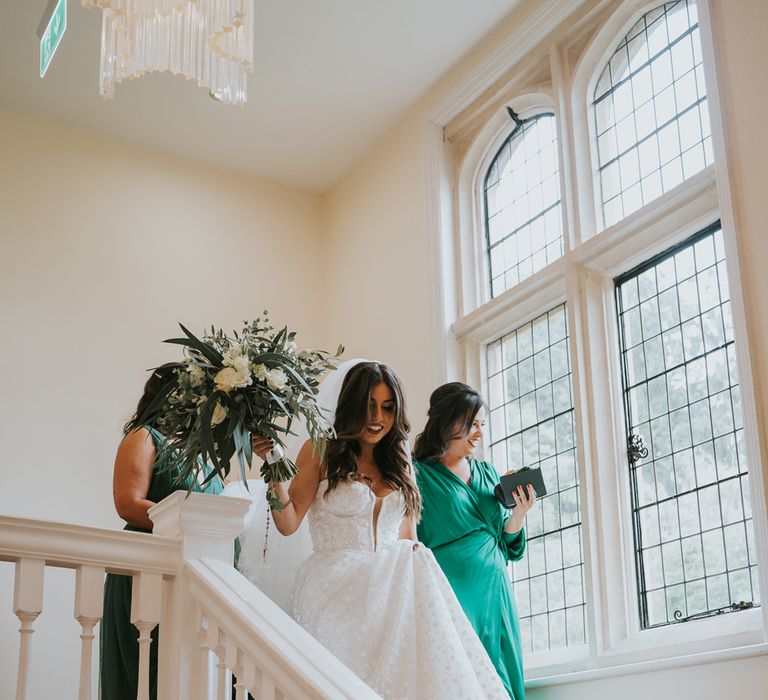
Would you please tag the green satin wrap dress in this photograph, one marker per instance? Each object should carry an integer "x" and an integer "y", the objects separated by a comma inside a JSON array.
[{"x": 463, "y": 525}]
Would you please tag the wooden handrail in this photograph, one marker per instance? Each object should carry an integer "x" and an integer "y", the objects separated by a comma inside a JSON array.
[{"x": 71, "y": 546}]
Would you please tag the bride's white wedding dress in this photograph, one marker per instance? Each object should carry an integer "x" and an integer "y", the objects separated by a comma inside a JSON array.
[{"x": 385, "y": 609}]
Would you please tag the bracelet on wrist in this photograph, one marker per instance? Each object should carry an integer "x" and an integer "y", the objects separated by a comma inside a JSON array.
[{"x": 282, "y": 506}]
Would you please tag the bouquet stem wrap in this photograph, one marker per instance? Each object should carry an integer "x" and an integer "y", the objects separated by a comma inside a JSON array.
[{"x": 277, "y": 468}]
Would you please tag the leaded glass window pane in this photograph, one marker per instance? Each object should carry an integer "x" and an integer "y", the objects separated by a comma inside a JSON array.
[
  {"x": 522, "y": 197},
  {"x": 532, "y": 424},
  {"x": 690, "y": 494},
  {"x": 651, "y": 112}
]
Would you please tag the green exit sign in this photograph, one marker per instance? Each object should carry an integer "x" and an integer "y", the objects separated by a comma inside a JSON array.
[{"x": 50, "y": 31}]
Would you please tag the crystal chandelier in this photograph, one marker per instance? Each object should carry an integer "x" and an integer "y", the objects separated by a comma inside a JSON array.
[{"x": 210, "y": 41}]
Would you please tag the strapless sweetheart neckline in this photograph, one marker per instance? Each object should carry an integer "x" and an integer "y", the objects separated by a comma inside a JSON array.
[{"x": 367, "y": 488}]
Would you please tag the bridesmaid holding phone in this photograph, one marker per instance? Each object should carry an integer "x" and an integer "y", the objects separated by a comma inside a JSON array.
[{"x": 472, "y": 536}]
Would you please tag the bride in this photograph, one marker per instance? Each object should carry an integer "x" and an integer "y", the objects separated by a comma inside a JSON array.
[{"x": 369, "y": 592}]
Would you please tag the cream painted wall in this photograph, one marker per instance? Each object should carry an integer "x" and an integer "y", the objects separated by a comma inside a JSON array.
[
  {"x": 740, "y": 33},
  {"x": 378, "y": 295},
  {"x": 104, "y": 246},
  {"x": 382, "y": 199}
]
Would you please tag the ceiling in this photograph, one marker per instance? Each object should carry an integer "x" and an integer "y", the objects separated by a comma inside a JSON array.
[{"x": 330, "y": 78}]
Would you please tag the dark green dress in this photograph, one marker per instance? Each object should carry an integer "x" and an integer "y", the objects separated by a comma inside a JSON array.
[
  {"x": 463, "y": 526},
  {"x": 119, "y": 638}
]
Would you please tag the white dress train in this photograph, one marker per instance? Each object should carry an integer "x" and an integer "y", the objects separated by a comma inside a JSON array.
[{"x": 384, "y": 609}]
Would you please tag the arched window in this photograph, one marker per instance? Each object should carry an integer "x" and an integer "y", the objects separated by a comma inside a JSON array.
[
  {"x": 647, "y": 534},
  {"x": 650, "y": 111},
  {"x": 522, "y": 203}
]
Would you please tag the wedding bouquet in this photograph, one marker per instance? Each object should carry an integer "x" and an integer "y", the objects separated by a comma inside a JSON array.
[{"x": 228, "y": 387}]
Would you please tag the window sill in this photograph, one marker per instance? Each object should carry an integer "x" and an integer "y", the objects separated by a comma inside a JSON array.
[{"x": 607, "y": 667}]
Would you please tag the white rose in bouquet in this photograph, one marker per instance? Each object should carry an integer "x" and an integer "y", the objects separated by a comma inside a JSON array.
[
  {"x": 229, "y": 378},
  {"x": 241, "y": 365},
  {"x": 237, "y": 359},
  {"x": 276, "y": 379}
]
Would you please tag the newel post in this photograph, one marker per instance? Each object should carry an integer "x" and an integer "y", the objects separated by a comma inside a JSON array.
[{"x": 206, "y": 527}]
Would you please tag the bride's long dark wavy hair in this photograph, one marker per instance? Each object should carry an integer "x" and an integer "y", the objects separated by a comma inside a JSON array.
[{"x": 352, "y": 417}]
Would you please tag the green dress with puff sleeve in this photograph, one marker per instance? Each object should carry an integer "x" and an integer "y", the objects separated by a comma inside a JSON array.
[
  {"x": 119, "y": 638},
  {"x": 463, "y": 525}
]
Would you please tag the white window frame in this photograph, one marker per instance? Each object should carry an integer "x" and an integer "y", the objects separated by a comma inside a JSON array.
[
  {"x": 495, "y": 133},
  {"x": 467, "y": 319}
]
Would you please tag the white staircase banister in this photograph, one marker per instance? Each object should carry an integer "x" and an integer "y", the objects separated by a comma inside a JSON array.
[
  {"x": 263, "y": 631},
  {"x": 183, "y": 580},
  {"x": 70, "y": 546}
]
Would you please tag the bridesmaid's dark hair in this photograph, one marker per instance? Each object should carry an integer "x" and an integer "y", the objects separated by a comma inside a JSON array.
[
  {"x": 352, "y": 417},
  {"x": 452, "y": 408},
  {"x": 157, "y": 380}
]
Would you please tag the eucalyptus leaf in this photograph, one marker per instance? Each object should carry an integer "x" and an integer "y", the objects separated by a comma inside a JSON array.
[
  {"x": 210, "y": 353},
  {"x": 206, "y": 435}
]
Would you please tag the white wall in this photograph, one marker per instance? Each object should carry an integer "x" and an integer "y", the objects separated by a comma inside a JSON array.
[
  {"x": 104, "y": 247},
  {"x": 382, "y": 199},
  {"x": 377, "y": 286},
  {"x": 743, "y": 55}
]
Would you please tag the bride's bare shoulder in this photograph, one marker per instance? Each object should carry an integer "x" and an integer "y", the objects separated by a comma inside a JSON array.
[{"x": 311, "y": 458}]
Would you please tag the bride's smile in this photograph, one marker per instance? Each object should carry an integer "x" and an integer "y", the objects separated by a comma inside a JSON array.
[{"x": 381, "y": 414}]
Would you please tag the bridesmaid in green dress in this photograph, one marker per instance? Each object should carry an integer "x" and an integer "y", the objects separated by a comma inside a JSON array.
[
  {"x": 471, "y": 534},
  {"x": 139, "y": 482}
]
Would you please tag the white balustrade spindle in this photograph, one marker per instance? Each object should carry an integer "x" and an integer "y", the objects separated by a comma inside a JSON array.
[
  {"x": 145, "y": 614},
  {"x": 222, "y": 677},
  {"x": 248, "y": 673},
  {"x": 27, "y": 605},
  {"x": 89, "y": 607},
  {"x": 204, "y": 660},
  {"x": 238, "y": 671}
]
